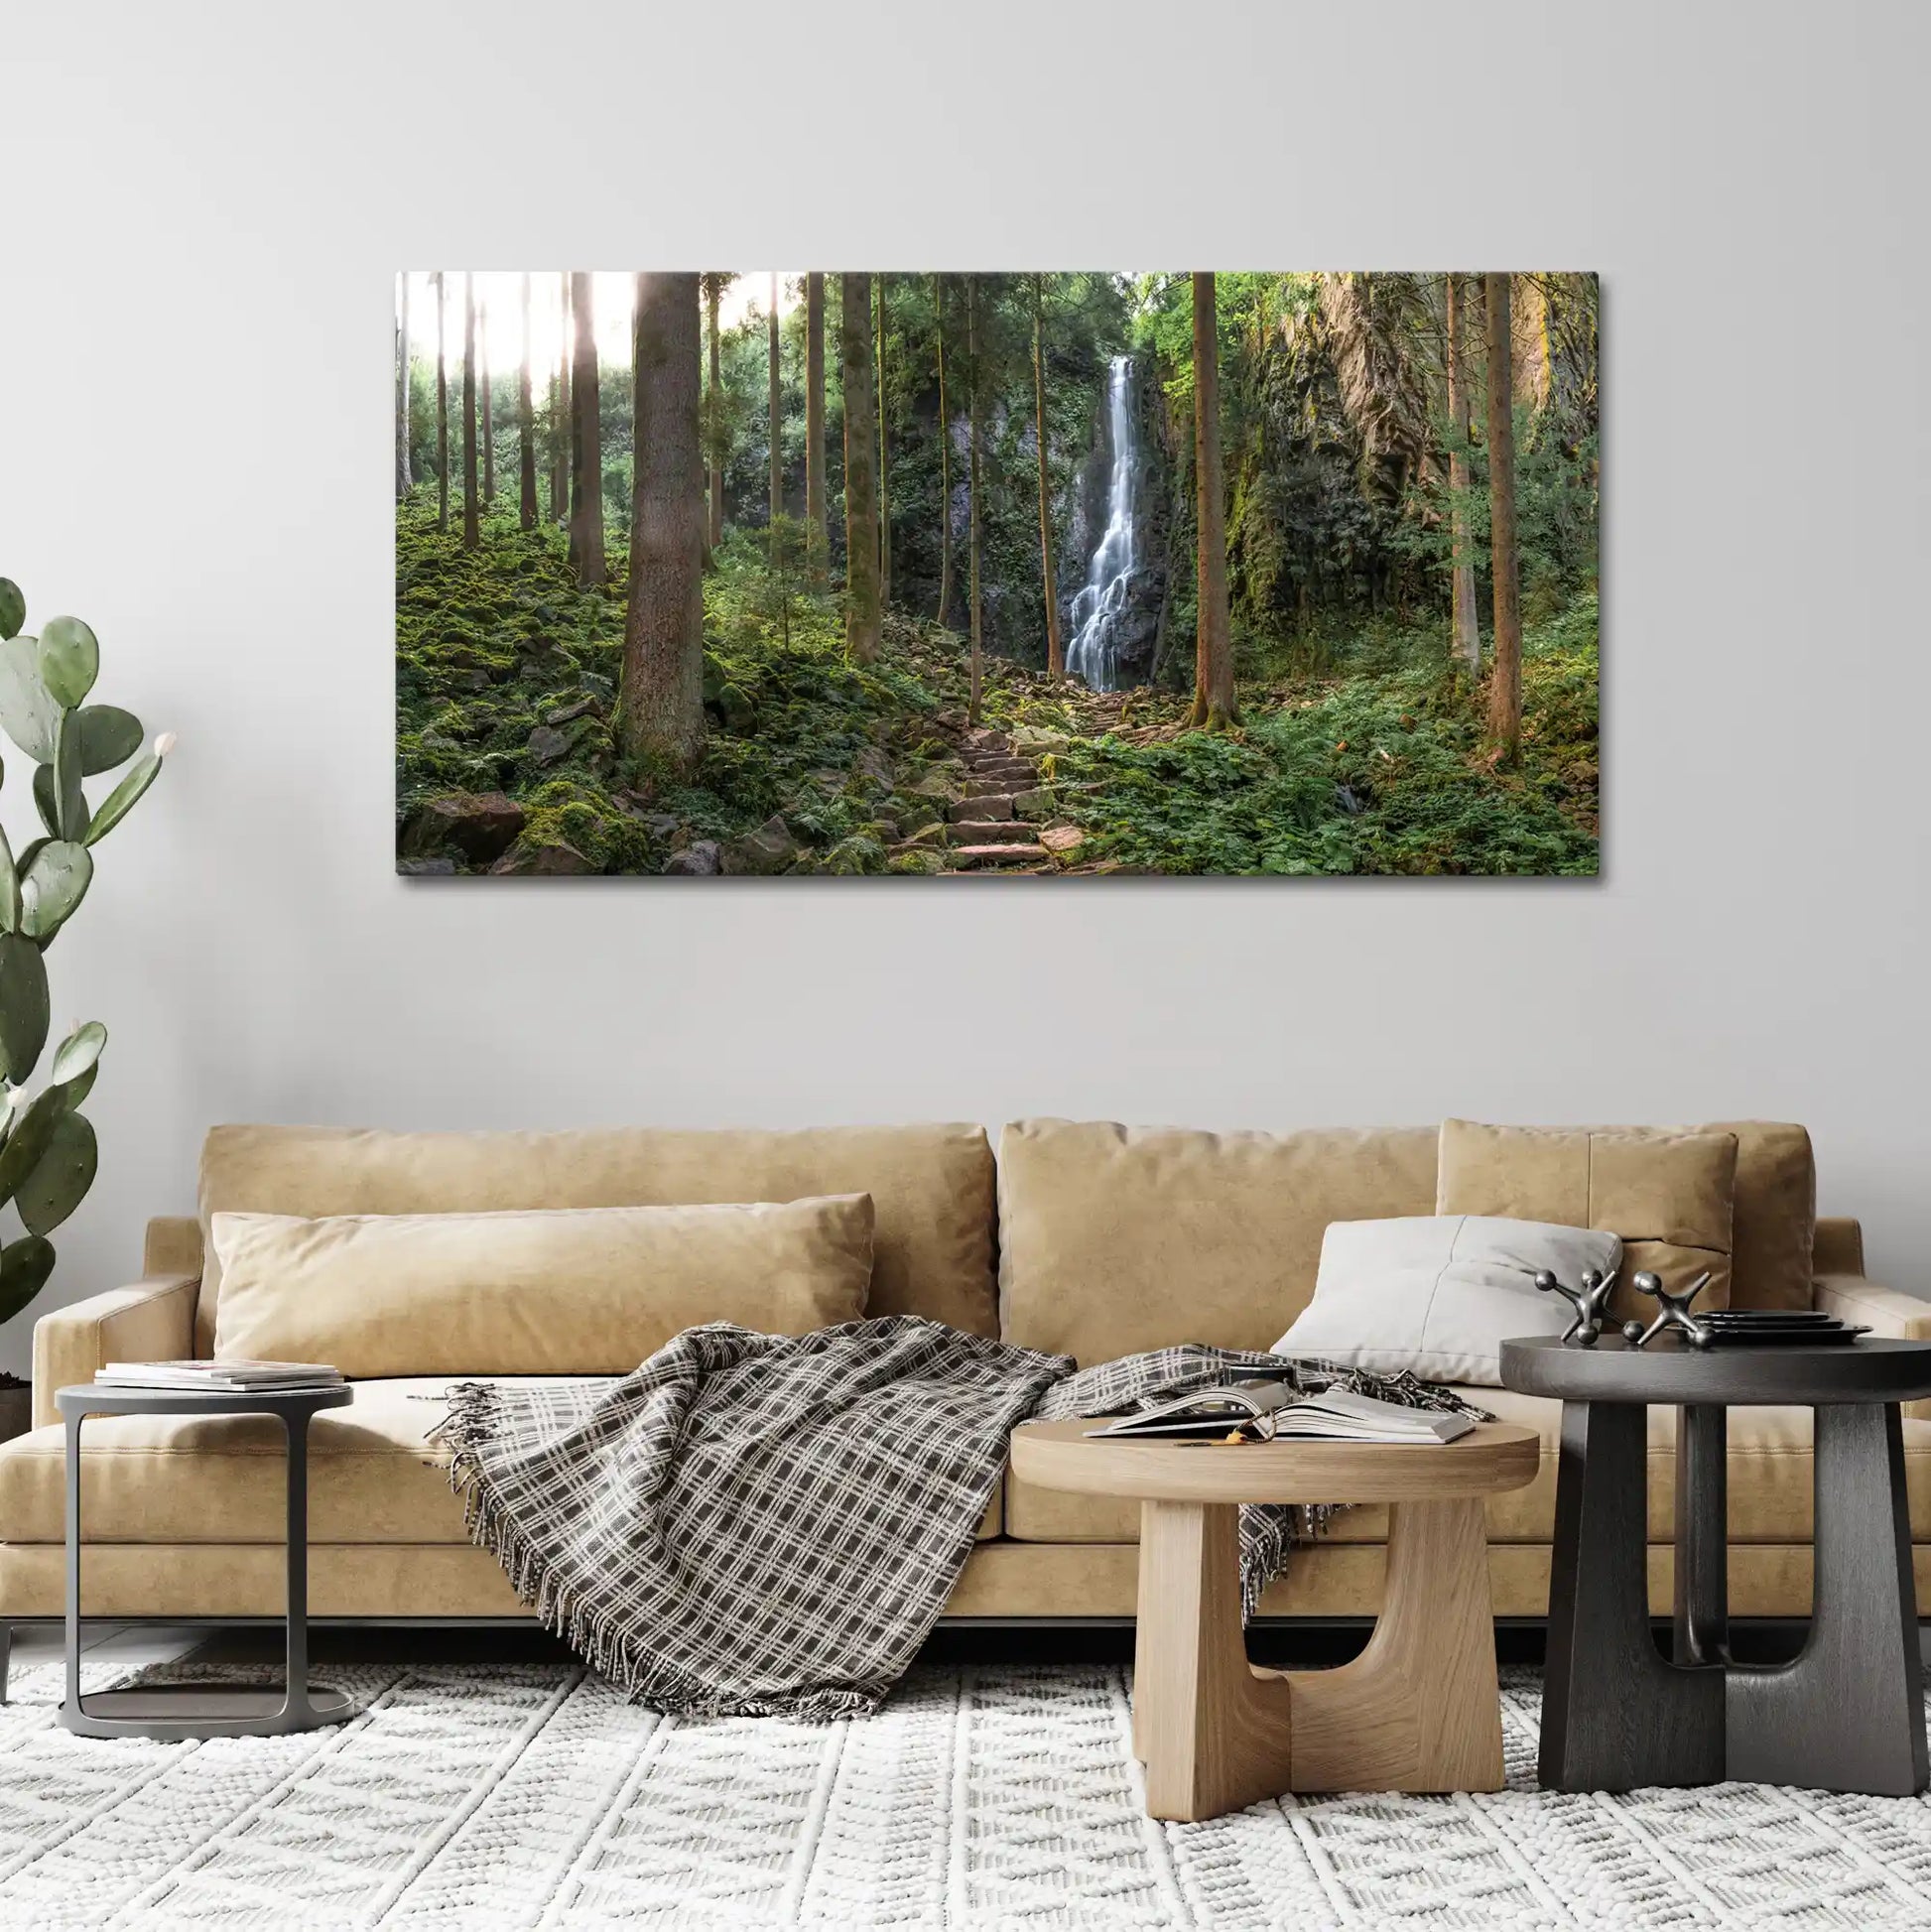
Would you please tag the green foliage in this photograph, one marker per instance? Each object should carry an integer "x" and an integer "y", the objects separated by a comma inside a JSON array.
[
  {"x": 1381, "y": 769},
  {"x": 48, "y": 1153}
]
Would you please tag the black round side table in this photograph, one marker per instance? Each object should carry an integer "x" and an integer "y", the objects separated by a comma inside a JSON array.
[
  {"x": 168, "y": 1710},
  {"x": 1848, "y": 1713}
]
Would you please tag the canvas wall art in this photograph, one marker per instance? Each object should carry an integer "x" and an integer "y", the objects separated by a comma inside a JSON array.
[{"x": 783, "y": 573}]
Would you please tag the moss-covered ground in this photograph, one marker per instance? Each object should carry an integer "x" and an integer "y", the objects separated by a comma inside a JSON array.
[{"x": 1374, "y": 762}]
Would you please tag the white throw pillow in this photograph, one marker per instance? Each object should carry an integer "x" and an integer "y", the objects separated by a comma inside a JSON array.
[{"x": 1438, "y": 1294}]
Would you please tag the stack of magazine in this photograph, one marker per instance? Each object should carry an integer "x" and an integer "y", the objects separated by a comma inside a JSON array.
[
  {"x": 1268, "y": 1411},
  {"x": 228, "y": 1377}
]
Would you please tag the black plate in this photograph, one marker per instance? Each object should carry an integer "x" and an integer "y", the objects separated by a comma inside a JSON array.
[{"x": 1770, "y": 1338}]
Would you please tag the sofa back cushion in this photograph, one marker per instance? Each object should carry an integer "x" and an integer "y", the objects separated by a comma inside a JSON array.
[
  {"x": 1118, "y": 1238},
  {"x": 931, "y": 1189},
  {"x": 1670, "y": 1197},
  {"x": 1773, "y": 1211},
  {"x": 548, "y": 1291},
  {"x": 1114, "y": 1239}
]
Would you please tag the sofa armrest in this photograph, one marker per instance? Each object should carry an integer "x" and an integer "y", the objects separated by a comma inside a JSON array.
[
  {"x": 1883, "y": 1311},
  {"x": 152, "y": 1320},
  {"x": 1837, "y": 1245}
]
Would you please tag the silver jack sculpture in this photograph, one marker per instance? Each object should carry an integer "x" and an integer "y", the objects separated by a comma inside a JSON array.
[
  {"x": 1586, "y": 1328},
  {"x": 1672, "y": 1312}
]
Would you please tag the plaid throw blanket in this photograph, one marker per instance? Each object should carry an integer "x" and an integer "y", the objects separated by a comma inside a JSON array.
[{"x": 753, "y": 1524}]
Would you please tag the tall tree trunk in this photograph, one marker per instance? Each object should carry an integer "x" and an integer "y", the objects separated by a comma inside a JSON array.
[
  {"x": 817, "y": 543},
  {"x": 1214, "y": 705},
  {"x": 1506, "y": 679},
  {"x": 1055, "y": 654},
  {"x": 441, "y": 409},
  {"x": 488, "y": 398},
  {"x": 777, "y": 437},
  {"x": 1466, "y": 635},
  {"x": 945, "y": 453},
  {"x": 469, "y": 527},
  {"x": 586, "y": 439},
  {"x": 714, "y": 413},
  {"x": 526, "y": 426},
  {"x": 662, "y": 700},
  {"x": 560, "y": 425},
  {"x": 861, "y": 627},
  {"x": 403, "y": 477},
  {"x": 977, "y": 612},
  {"x": 884, "y": 469}
]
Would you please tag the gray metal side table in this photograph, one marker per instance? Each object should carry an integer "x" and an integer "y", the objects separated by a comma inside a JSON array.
[
  {"x": 1848, "y": 1714},
  {"x": 169, "y": 1711}
]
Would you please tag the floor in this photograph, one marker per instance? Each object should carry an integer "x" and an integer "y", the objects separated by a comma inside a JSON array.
[{"x": 529, "y": 1797}]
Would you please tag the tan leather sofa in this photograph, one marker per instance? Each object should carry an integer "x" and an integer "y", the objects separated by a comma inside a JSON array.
[{"x": 1084, "y": 1238}]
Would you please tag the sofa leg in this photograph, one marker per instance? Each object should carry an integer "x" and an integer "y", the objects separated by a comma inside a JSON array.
[{"x": 6, "y": 1656}]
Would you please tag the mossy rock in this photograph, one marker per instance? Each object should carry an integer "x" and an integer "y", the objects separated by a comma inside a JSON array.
[
  {"x": 928, "y": 864},
  {"x": 855, "y": 857}
]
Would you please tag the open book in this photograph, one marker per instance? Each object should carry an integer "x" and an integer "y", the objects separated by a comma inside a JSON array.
[{"x": 1278, "y": 1412}]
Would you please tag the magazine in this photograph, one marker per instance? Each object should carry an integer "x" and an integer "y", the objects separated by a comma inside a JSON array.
[
  {"x": 227, "y": 1377},
  {"x": 1270, "y": 1411}
]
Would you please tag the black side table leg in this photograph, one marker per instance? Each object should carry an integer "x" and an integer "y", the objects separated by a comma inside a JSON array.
[
  {"x": 1848, "y": 1715},
  {"x": 73, "y": 1422},
  {"x": 1614, "y": 1714},
  {"x": 295, "y": 1615},
  {"x": 1702, "y": 1627}
]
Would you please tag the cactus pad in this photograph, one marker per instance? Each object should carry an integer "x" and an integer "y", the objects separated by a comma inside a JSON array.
[
  {"x": 69, "y": 800},
  {"x": 13, "y": 608},
  {"x": 52, "y": 885},
  {"x": 25, "y": 1265},
  {"x": 69, "y": 660},
  {"x": 123, "y": 798},
  {"x": 8, "y": 888},
  {"x": 61, "y": 1177},
  {"x": 29, "y": 711},
  {"x": 33, "y": 1134},
  {"x": 109, "y": 736},
  {"x": 23, "y": 1007},
  {"x": 77, "y": 1053}
]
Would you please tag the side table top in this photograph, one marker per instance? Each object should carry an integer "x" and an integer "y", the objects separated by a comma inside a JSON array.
[
  {"x": 92, "y": 1398},
  {"x": 1493, "y": 1456},
  {"x": 1874, "y": 1368}
]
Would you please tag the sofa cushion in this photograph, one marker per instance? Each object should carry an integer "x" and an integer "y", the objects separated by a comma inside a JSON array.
[
  {"x": 548, "y": 1291},
  {"x": 1670, "y": 1196},
  {"x": 374, "y": 1476},
  {"x": 1770, "y": 1485},
  {"x": 931, "y": 1189},
  {"x": 1118, "y": 1238}
]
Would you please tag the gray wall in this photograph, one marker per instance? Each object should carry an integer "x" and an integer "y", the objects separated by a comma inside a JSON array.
[{"x": 207, "y": 205}]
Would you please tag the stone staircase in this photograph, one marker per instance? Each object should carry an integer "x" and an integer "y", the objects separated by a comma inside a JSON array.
[{"x": 983, "y": 831}]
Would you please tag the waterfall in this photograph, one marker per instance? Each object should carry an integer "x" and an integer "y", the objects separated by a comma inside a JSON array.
[{"x": 1095, "y": 652}]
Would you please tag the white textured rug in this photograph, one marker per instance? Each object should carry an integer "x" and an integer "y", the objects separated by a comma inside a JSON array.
[{"x": 478, "y": 1799}]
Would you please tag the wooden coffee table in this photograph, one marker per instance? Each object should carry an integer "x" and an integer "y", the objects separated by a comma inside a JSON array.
[{"x": 1417, "y": 1711}]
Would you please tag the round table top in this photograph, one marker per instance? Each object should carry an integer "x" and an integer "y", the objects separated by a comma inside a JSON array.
[
  {"x": 1493, "y": 1456},
  {"x": 96, "y": 1398},
  {"x": 1874, "y": 1368}
]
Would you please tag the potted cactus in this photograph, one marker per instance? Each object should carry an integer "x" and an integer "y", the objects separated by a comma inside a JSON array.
[{"x": 47, "y": 1145}]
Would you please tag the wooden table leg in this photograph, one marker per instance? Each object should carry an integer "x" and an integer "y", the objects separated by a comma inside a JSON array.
[
  {"x": 1700, "y": 1632},
  {"x": 1417, "y": 1711},
  {"x": 1614, "y": 1714},
  {"x": 1848, "y": 1715},
  {"x": 1210, "y": 1729}
]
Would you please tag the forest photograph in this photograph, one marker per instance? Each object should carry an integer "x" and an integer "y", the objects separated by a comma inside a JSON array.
[{"x": 760, "y": 573}]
